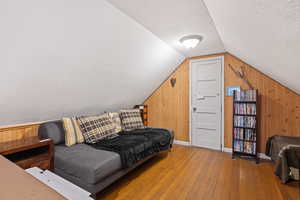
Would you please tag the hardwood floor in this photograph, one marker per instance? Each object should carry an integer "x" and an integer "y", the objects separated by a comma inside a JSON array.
[{"x": 195, "y": 173}]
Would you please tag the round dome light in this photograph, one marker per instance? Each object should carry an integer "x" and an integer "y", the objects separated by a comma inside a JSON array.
[{"x": 191, "y": 41}]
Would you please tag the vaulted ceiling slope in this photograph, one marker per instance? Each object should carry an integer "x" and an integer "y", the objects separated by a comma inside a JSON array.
[
  {"x": 170, "y": 20},
  {"x": 61, "y": 58},
  {"x": 263, "y": 33}
]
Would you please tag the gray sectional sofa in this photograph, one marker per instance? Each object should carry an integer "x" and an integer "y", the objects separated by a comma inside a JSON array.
[{"x": 83, "y": 165}]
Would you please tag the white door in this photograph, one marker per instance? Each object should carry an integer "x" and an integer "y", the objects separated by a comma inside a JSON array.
[{"x": 206, "y": 102}]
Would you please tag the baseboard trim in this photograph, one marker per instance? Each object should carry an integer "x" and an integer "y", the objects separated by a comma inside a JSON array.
[
  {"x": 264, "y": 156},
  {"x": 180, "y": 142},
  {"x": 227, "y": 150},
  {"x": 260, "y": 155}
]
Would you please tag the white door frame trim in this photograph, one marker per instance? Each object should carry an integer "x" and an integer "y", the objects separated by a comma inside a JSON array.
[{"x": 222, "y": 96}]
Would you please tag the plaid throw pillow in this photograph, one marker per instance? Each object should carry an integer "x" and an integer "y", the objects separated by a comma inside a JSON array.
[
  {"x": 131, "y": 119},
  {"x": 96, "y": 128}
]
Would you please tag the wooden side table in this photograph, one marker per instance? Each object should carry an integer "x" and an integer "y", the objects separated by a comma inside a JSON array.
[{"x": 29, "y": 152}]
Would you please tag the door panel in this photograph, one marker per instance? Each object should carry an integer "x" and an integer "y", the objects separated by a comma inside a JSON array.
[
  {"x": 205, "y": 120},
  {"x": 205, "y": 138},
  {"x": 203, "y": 85},
  {"x": 206, "y": 102}
]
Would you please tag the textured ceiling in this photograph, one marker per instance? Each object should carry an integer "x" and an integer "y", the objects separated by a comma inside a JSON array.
[
  {"x": 263, "y": 33},
  {"x": 170, "y": 20}
]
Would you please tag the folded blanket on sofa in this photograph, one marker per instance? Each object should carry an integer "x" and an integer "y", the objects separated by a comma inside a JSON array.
[
  {"x": 135, "y": 145},
  {"x": 282, "y": 150}
]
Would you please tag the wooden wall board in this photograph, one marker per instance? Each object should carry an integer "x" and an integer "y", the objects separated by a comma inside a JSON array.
[
  {"x": 18, "y": 132},
  {"x": 167, "y": 107},
  {"x": 279, "y": 106}
]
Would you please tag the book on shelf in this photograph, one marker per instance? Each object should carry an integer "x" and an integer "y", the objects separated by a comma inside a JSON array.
[
  {"x": 238, "y": 133},
  {"x": 250, "y": 135},
  {"x": 244, "y": 134},
  {"x": 245, "y": 95},
  {"x": 245, "y": 109},
  {"x": 244, "y": 147},
  {"x": 250, "y": 147},
  {"x": 244, "y": 121},
  {"x": 238, "y": 146}
]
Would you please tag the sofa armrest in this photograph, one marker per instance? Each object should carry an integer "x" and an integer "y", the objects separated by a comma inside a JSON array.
[
  {"x": 172, "y": 133},
  {"x": 53, "y": 130}
]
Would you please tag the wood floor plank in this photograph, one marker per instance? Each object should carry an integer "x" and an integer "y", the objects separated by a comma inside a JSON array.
[{"x": 190, "y": 173}]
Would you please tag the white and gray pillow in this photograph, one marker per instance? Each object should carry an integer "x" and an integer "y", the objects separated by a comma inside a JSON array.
[
  {"x": 73, "y": 134},
  {"x": 115, "y": 117}
]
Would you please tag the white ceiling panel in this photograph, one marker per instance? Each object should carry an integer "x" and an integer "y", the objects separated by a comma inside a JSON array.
[
  {"x": 263, "y": 33},
  {"x": 170, "y": 20}
]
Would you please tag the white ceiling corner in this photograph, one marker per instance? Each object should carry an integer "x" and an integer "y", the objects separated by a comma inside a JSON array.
[
  {"x": 263, "y": 33},
  {"x": 170, "y": 20}
]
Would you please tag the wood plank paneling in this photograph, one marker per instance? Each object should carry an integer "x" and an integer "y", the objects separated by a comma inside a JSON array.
[
  {"x": 279, "y": 106},
  {"x": 167, "y": 107},
  {"x": 18, "y": 132}
]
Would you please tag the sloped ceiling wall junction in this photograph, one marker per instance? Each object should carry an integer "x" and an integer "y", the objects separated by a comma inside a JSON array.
[
  {"x": 61, "y": 58},
  {"x": 170, "y": 20},
  {"x": 263, "y": 33}
]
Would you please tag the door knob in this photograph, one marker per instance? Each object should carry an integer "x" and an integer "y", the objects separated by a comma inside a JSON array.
[{"x": 194, "y": 109}]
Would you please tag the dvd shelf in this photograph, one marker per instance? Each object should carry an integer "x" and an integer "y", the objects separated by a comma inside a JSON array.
[
  {"x": 245, "y": 108},
  {"x": 245, "y": 95},
  {"x": 244, "y": 121},
  {"x": 244, "y": 137}
]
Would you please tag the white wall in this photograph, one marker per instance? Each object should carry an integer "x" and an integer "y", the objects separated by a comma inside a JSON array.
[{"x": 69, "y": 57}]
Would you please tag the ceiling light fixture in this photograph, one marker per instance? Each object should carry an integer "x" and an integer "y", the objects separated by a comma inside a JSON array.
[{"x": 191, "y": 41}]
